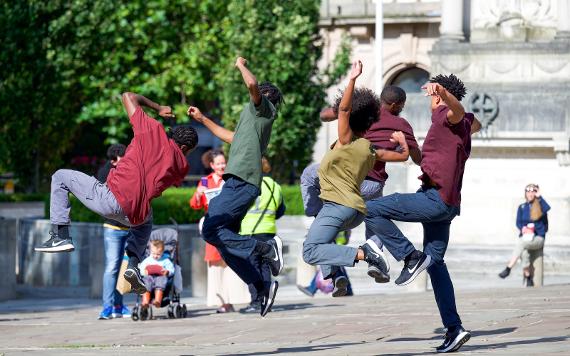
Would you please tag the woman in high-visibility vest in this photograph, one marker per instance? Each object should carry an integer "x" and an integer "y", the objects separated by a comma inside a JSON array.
[
  {"x": 223, "y": 283},
  {"x": 259, "y": 222}
]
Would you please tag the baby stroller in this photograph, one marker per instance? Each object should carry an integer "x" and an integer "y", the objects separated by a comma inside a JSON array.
[{"x": 173, "y": 289}]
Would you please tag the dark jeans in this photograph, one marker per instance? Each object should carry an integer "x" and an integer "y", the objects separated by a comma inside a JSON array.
[
  {"x": 262, "y": 267},
  {"x": 222, "y": 224},
  {"x": 424, "y": 206}
]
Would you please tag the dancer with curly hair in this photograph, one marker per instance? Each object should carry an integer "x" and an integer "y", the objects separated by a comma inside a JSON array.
[
  {"x": 153, "y": 161},
  {"x": 243, "y": 178},
  {"x": 445, "y": 151},
  {"x": 341, "y": 173}
]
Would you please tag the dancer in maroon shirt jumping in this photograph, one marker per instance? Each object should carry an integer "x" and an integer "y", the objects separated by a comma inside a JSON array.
[
  {"x": 445, "y": 151},
  {"x": 152, "y": 162}
]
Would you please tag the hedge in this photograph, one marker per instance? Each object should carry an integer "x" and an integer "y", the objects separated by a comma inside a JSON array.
[{"x": 172, "y": 204}]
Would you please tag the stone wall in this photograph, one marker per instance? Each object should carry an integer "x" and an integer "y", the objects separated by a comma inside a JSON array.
[{"x": 8, "y": 233}]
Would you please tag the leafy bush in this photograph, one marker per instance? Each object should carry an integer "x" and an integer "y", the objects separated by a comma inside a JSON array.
[{"x": 174, "y": 203}]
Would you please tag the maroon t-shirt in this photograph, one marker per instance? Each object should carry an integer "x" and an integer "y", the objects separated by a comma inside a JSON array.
[
  {"x": 152, "y": 163},
  {"x": 445, "y": 150},
  {"x": 380, "y": 133}
]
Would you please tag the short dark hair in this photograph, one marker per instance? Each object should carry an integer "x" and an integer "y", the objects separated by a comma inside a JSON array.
[
  {"x": 392, "y": 94},
  {"x": 116, "y": 150},
  {"x": 213, "y": 153},
  {"x": 452, "y": 84},
  {"x": 365, "y": 109},
  {"x": 184, "y": 135},
  {"x": 272, "y": 93}
]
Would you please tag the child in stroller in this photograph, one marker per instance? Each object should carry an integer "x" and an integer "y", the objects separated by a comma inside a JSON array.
[{"x": 162, "y": 276}]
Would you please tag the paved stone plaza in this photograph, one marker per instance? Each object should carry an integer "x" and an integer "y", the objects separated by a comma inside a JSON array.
[{"x": 512, "y": 321}]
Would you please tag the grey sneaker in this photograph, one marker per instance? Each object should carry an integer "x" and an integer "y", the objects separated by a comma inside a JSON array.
[{"x": 56, "y": 244}]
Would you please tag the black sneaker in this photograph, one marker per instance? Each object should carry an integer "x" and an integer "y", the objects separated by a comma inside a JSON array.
[
  {"x": 505, "y": 273},
  {"x": 269, "y": 298},
  {"x": 374, "y": 255},
  {"x": 453, "y": 341},
  {"x": 340, "y": 286},
  {"x": 251, "y": 308},
  {"x": 413, "y": 267},
  {"x": 377, "y": 274},
  {"x": 275, "y": 257},
  {"x": 133, "y": 276},
  {"x": 56, "y": 244}
]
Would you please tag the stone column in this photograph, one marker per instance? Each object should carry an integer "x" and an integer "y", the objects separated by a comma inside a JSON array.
[
  {"x": 451, "y": 20},
  {"x": 563, "y": 32}
]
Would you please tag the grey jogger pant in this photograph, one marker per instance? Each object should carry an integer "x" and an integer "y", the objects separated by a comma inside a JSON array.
[
  {"x": 97, "y": 197},
  {"x": 319, "y": 247}
]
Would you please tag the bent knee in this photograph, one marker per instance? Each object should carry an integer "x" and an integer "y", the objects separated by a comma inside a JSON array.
[{"x": 309, "y": 253}]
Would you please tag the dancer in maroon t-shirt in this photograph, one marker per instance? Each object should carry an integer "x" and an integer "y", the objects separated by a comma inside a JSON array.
[
  {"x": 152, "y": 162},
  {"x": 445, "y": 151}
]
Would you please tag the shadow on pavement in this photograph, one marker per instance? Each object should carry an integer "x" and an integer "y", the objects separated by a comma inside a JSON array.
[
  {"x": 290, "y": 350},
  {"x": 441, "y": 331}
]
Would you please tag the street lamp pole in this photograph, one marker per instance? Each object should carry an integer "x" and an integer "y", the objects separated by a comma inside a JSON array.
[{"x": 378, "y": 53}]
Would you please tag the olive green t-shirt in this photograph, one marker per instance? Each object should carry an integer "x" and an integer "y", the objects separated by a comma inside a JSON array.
[
  {"x": 342, "y": 171},
  {"x": 250, "y": 141}
]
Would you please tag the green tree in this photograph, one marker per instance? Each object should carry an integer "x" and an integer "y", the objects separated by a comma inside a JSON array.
[
  {"x": 37, "y": 106},
  {"x": 281, "y": 41}
]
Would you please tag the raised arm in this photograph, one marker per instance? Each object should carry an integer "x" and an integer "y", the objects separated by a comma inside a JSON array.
[
  {"x": 132, "y": 101},
  {"x": 395, "y": 156},
  {"x": 344, "y": 132},
  {"x": 249, "y": 80},
  {"x": 456, "y": 110},
  {"x": 219, "y": 131}
]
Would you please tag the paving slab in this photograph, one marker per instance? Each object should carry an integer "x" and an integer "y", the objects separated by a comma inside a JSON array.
[{"x": 503, "y": 322}]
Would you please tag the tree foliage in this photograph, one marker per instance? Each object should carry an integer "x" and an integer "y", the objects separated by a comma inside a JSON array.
[{"x": 65, "y": 64}]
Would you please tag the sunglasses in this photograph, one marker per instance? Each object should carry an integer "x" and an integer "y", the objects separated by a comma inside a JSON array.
[{"x": 531, "y": 190}]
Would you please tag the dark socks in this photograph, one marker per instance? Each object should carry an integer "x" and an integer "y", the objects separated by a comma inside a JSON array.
[
  {"x": 61, "y": 230},
  {"x": 508, "y": 269},
  {"x": 262, "y": 248}
]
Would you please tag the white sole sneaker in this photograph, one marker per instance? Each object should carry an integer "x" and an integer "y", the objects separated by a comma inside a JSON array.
[
  {"x": 270, "y": 299},
  {"x": 279, "y": 253},
  {"x": 418, "y": 270},
  {"x": 61, "y": 248},
  {"x": 379, "y": 251},
  {"x": 456, "y": 344}
]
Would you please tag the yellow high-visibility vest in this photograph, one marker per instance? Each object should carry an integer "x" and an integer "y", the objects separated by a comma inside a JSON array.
[{"x": 268, "y": 202}]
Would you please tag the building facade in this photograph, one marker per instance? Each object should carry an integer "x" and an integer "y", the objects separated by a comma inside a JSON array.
[{"x": 514, "y": 57}]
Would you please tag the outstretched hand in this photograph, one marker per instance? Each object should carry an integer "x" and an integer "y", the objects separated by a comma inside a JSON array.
[
  {"x": 166, "y": 112},
  {"x": 195, "y": 113},
  {"x": 433, "y": 89},
  {"x": 241, "y": 61},
  {"x": 398, "y": 137},
  {"x": 356, "y": 70}
]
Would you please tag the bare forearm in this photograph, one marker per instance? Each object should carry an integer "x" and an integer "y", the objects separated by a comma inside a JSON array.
[
  {"x": 475, "y": 126},
  {"x": 456, "y": 110},
  {"x": 416, "y": 155},
  {"x": 392, "y": 156},
  {"x": 219, "y": 131},
  {"x": 251, "y": 83},
  {"x": 140, "y": 100},
  {"x": 344, "y": 109}
]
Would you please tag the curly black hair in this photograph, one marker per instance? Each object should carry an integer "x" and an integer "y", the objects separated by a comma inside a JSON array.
[
  {"x": 452, "y": 84},
  {"x": 392, "y": 94},
  {"x": 365, "y": 110},
  {"x": 272, "y": 93},
  {"x": 184, "y": 135},
  {"x": 116, "y": 150}
]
